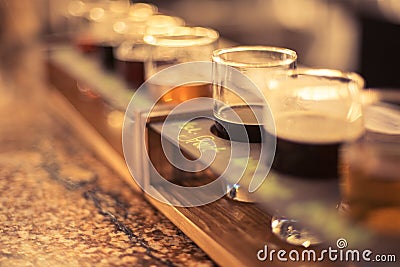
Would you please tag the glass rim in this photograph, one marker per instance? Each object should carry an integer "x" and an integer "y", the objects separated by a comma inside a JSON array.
[
  {"x": 216, "y": 56},
  {"x": 171, "y": 38},
  {"x": 159, "y": 20},
  {"x": 328, "y": 73},
  {"x": 148, "y": 6}
]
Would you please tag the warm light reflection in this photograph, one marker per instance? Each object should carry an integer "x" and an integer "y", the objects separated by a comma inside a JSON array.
[
  {"x": 274, "y": 223},
  {"x": 76, "y": 8},
  {"x": 96, "y": 13},
  {"x": 306, "y": 244},
  {"x": 120, "y": 27},
  {"x": 162, "y": 24},
  {"x": 318, "y": 93},
  {"x": 355, "y": 112},
  {"x": 369, "y": 96},
  {"x": 390, "y": 9},
  {"x": 149, "y": 39},
  {"x": 183, "y": 37},
  {"x": 86, "y": 90},
  {"x": 119, "y": 6},
  {"x": 141, "y": 11},
  {"x": 115, "y": 119}
]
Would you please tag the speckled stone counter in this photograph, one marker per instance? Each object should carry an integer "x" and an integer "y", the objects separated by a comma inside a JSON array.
[{"x": 60, "y": 205}]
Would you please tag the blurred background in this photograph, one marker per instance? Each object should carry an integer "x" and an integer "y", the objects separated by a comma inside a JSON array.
[{"x": 353, "y": 35}]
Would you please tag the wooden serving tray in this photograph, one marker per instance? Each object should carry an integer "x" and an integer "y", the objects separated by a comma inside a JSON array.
[{"x": 230, "y": 232}]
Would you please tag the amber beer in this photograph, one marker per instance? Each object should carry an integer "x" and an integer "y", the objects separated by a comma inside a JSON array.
[
  {"x": 308, "y": 144},
  {"x": 371, "y": 185},
  {"x": 181, "y": 93}
]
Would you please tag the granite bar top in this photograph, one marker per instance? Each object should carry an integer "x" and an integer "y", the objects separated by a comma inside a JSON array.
[{"x": 61, "y": 205}]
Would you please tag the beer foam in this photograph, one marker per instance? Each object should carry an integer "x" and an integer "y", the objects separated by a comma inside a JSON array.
[
  {"x": 315, "y": 128},
  {"x": 308, "y": 90}
]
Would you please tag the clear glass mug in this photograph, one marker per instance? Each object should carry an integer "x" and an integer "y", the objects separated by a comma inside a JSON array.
[
  {"x": 239, "y": 75},
  {"x": 237, "y": 102},
  {"x": 132, "y": 54},
  {"x": 179, "y": 45},
  {"x": 101, "y": 37},
  {"x": 316, "y": 112},
  {"x": 371, "y": 184},
  {"x": 370, "y": 167}
]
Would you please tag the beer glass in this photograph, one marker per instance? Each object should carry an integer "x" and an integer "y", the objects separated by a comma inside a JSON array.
[
  {"x": 370, "y": 176},
  {"x": 371, "y": 184},
  {"x": 316, "y": 112},
  {"x": 111, "y": 23},
  {"x": 238, "y": 103},
  {"x": 179, "y": 45},
  {"x": 239, "y": 75},
  {"x": 132, "y": 54}
]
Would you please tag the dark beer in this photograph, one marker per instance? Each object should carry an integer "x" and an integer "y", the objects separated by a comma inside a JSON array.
[
  {"x": 131, "y": 71},
  {"x": 130, "y": 58},
  {"x": 105, "y": 52},
  {"x": 308, "y": 144},
  {"x": 306, "y": 159},
  {"x": 247, "y": 129}
]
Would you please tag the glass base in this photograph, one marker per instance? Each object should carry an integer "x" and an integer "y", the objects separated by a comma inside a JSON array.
[
  {"x": 291, "y": 232},
  {"x": 239, "y": 193}
]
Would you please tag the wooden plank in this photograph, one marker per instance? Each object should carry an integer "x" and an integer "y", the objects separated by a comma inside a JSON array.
[
  {"x": 203, "y": 224},
  {"x": 230, "y": 232}
]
